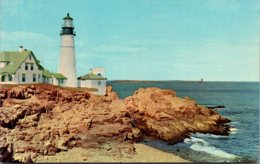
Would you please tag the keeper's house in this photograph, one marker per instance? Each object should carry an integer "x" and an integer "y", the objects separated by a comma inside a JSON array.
[{"x": 22, "y": 67}]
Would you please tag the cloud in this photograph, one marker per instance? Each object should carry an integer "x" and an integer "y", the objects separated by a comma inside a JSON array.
[{"x": 222, "y": 5}]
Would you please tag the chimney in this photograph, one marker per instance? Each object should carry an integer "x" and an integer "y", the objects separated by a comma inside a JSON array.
[
  {"x": 21, "y": 49},
  {"x": 90, "y": 71}
]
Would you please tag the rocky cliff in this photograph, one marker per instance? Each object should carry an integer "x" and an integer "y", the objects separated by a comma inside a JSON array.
[
  {"x": 160, "y": 113},
  {"x": 44, "y": 120}
]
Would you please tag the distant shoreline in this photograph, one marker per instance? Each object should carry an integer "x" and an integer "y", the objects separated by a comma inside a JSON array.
[{"x": 147, "y": 81}]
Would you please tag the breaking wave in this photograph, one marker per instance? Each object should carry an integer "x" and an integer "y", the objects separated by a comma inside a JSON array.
[
  {"x": 200, "y": 135},
  {"x": 201, "y": 145},
  {"x": 233, "y": 130}
]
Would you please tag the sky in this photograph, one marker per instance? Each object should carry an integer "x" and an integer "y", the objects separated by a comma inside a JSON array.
[{"x": 217, "y": 40}]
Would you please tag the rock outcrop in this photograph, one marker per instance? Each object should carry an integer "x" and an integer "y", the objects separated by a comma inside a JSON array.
[
  {"x": 44, "y": 120},
  {"x": 162, "y": 114}
]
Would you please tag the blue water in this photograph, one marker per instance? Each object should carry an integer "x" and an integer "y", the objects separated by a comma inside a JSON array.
[{"x": 241, "y": 101}]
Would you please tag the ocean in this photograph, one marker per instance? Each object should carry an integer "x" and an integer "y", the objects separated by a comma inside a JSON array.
[{"x": 241, "y": 101}]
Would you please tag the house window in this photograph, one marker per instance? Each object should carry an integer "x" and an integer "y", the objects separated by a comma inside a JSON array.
[
  {"x": 30, "y": 57},
  {"x": 10, "y": 78},
  {"x": 39, "y": 78},
  {"x": 99, "y": 83},
  {"x": 99, "y": 74},
  {"x": 23, "y": 77},
  {"x": 3, "y": 78},
  {"x": 26, "y": 66},
  {"x": 31, "y": 66},
  {"x": 60, "y": 81},
  {"x": 34, "y": 77}
]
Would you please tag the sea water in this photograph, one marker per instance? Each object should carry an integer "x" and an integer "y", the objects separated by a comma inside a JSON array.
[{"x": 241, "y": 101}]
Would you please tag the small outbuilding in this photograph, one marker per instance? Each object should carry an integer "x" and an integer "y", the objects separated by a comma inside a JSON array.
[{"x": 94, "y": 80}]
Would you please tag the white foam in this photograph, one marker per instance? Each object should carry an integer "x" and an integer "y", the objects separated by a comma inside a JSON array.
[
  {"x": 201, "y": 145},
  {"x": 233, "y": 130},
  {"x": 209, "y": 135},
  {"x": 192, "y": 140}
]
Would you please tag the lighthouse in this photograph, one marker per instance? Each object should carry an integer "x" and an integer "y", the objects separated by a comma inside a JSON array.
[{"x": 67, "y": 65}]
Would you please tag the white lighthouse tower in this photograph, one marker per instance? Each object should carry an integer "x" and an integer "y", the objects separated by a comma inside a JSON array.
[{"x": 67, "y": 65}]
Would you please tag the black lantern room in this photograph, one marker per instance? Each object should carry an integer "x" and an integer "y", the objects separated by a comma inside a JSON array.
[{"x": 67, "y": 27}]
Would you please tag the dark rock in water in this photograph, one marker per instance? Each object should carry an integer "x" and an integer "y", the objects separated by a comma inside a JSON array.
[{"x": 216, "y": 107}]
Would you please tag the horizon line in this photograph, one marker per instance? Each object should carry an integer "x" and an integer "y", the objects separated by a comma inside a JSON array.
[{"x": 180, "y": 80}]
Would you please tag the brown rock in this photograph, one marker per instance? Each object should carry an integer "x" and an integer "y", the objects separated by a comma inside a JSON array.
[
  {"x": 135, "y": 135},
  {"x": 161, "y": 114},
  {"x": 3, "y": 93},
  {"x": 51, "y": 119},
  {"x": 6, "y": 151},
  {"x": 18, "y": 93},
  {"x": 109, "y": 89}
]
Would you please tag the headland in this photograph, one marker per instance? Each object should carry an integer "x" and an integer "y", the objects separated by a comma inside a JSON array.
[{"x": 44, "y": 123}]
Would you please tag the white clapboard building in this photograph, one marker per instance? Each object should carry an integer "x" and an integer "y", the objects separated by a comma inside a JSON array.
[
  {"x": 22, "y": 67},
  {"x": 94, "y": 79},
  {"x": 19, "y": 67}
]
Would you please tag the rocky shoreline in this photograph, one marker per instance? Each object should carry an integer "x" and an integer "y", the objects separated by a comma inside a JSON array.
[{"x": 43, "y": 120}]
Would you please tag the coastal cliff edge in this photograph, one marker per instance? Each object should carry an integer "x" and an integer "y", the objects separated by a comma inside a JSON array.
[{"x": 39, "y": 122}]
